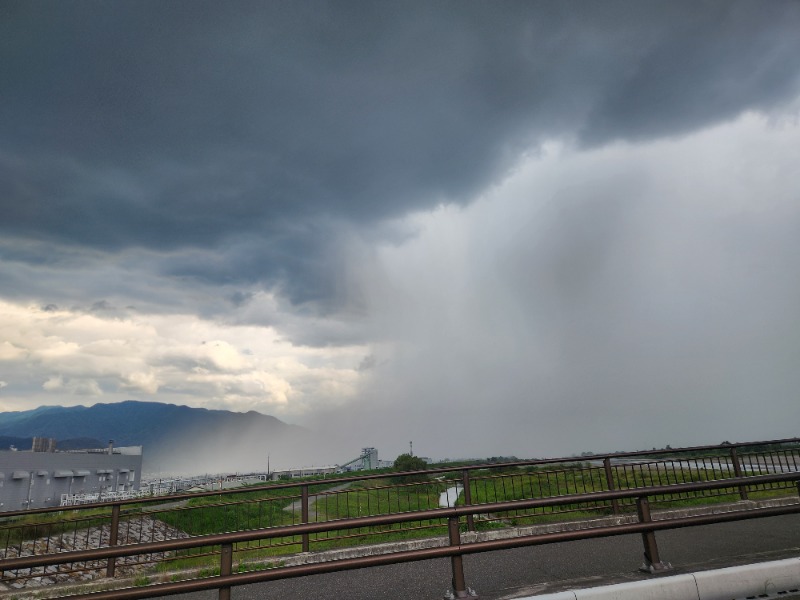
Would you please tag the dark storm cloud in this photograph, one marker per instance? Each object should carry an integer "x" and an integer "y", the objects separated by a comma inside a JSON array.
[
  {"x": 702, "y": 73},
  {"x": 203, "y": 124}
]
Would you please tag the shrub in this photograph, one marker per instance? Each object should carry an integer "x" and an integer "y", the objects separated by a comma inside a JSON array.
[{"x": 407, "y": 462}]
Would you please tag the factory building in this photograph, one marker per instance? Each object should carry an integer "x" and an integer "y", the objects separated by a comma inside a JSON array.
[
  {"x": 369, "y": 459},
  {"x": 38, "y": 479},
  {"x": 302, "y": 472}
]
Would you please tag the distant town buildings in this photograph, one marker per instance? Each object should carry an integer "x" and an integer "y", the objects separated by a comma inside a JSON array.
[{"x": 40, "y": 477}]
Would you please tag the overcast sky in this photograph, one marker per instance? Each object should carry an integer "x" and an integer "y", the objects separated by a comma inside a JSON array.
[{"x": 487, "y": 227}]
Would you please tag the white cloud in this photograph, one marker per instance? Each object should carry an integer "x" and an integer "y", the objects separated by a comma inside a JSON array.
[
  {"x": 83, "y": 387},
  {"x": 145, "y": 382},
  {"x": 53, "y": 383},
  {"x": 10, "y": 352},
  {"x": 181, "y": 358},
  {"x": 74, "y": 386}
]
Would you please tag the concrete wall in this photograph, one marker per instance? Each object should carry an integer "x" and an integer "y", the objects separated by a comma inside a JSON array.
[{"x": 37, "y": 479}]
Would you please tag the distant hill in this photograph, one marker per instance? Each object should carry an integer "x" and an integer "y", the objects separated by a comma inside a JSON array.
[{"x": 174, "y": 437}]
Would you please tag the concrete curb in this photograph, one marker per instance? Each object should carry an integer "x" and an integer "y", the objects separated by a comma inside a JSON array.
[{"x": 730, "y": 583}]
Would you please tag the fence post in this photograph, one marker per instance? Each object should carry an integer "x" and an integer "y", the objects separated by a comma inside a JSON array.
[
  {"x": 468, "y": 498},
  {"x": 652, "y": 562},
  {"x": 225, "y": 568},
  {"x": 460, "y": 589},
  {"x": 737, "y": 471},
  {"x": 304, "y": 514},
  {"x": 610, "y": 483},
  {"x": 113, "y": 535}
]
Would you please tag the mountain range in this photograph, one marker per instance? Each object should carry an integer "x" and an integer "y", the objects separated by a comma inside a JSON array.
[{"x": 177, "y": 438}]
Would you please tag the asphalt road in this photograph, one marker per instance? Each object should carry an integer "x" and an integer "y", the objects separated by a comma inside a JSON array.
[{"x": 509, "y": 574}]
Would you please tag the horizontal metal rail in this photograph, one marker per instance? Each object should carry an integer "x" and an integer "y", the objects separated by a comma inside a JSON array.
[
  {"x": 518, "y": 489},
  {"x": 437, "y": 513},
  {"x": 210, "y": 583}
]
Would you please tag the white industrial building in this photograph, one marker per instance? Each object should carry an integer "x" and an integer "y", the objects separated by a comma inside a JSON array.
[{"x": 37, "y": 479}]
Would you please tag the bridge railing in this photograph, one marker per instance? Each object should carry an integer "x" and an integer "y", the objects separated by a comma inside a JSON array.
[
  {"x": 228, "y": 544},
  {"x": 179, "y": 516}
]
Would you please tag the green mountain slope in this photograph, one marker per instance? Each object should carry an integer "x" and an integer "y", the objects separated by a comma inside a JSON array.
[{"x": 171, "y": 435}]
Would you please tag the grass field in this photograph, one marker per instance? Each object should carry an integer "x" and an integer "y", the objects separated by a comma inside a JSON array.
[{"x": 374, "y": 498}]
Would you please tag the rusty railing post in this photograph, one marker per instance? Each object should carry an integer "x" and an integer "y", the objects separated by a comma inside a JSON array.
[
  {"x": 468, "y": 498},
  {"x": 460, "y": 589},
  {"x": 737, "y": 471},
  {"x": 304, "y": 514},
  {"x": 225, "y": 568},
  {"x": 113, "y": 535},
  {"x": 612, "y": 487},
  {"x": 652, "y": 562}
]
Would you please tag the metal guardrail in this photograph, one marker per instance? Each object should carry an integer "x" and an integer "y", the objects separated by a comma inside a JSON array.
[
  {"x": 483, "y": 486},
  {"x": 454, "y": 550},
  {"x": 613, "y": 459}
]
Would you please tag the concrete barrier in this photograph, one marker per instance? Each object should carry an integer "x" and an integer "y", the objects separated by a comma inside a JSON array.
[
  {"x": 677, "y": 587},
  {"x": 749, "y": 580},
  {"x": 730, "y": 583}
]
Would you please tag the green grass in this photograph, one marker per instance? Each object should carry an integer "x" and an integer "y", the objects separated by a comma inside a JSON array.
[
  {"x": 370, "y": 498},
  {"x": 250, "y": 510},
  {"x": 365, "y": 498},
  {"x": 579, "y": 478},
  {"x": 374, "y": 497}
]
